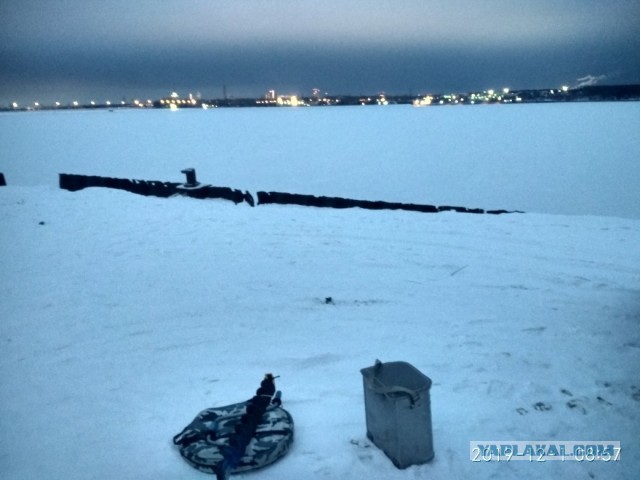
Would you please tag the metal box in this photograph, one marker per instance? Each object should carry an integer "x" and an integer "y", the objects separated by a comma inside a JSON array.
[{"x": 398, "y": 412}]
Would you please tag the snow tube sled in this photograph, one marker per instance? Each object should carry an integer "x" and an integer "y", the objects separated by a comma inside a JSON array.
[{"x": 211, "y": 441}]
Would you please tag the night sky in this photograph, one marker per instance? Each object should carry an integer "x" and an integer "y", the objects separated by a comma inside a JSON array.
[{"x": 64, "y": 50}]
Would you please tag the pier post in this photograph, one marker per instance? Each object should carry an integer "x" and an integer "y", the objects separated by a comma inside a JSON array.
[{"x": 191, "y": 177}]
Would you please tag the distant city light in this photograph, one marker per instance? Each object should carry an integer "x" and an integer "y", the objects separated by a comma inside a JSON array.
[
  {"x": 423, "y": 101},
  {"x": 317, "y": 98}
]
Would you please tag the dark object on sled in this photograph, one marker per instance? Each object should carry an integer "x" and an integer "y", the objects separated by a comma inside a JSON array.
[
  {"x": 239, "y": 437},
  {"x": 398, "y": 412}
]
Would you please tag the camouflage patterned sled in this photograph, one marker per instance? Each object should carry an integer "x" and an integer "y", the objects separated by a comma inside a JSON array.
[{"x": 204, "y": 442}]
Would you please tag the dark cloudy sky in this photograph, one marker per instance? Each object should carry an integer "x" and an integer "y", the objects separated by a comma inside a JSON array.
[{"x": 109, "y": 49}]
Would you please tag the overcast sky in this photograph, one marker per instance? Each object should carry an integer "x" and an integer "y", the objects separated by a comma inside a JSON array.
[{"x": 109, "y": 49}]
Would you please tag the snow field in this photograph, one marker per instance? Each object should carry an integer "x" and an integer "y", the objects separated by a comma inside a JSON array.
[{"x": 123, "y": 316}]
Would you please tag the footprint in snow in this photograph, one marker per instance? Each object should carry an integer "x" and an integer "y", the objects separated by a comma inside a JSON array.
[
  {"x": 542, "y": 407},
  {"x": 576, "y": 404},
  {"x": 360, "y": 443},
  {"x": 364, "y": 452},
  {"x": 616, "y": 388}
]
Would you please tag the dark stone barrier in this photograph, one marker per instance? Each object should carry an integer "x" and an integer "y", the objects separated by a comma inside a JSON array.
[
  {"x": 338, "y": 202},
  {"x": 194, "y": 189},
  {"x": 447, "y": 208},
  {"x": 209, "y": 191},
  {"x": 74, "y": 183}
]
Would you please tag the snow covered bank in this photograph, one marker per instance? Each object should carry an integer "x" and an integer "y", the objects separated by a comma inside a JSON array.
[{"x": 123, "y": 316}]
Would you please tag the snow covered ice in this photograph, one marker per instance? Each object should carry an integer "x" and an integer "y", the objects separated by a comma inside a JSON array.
[{"x": 123, "y": 316}]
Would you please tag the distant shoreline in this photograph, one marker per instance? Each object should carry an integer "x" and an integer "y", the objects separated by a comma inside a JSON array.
[{"x": 594, "y": 93}]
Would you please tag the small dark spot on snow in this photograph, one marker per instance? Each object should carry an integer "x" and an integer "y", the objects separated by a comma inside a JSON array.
[
  {"x": 534, "y": 329},
  {"x": 566, "y": 392},
  {"x": 328, "y": 300},
  {"x": 41, "y": 223},
  {"x": 522, "y": 411}
]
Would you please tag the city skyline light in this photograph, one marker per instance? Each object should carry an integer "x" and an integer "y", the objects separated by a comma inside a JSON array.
[{"x": 73, "y": 50}]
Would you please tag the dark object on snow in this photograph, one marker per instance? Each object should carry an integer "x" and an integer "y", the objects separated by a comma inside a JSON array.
[
  {"x": 193, "y": 188},
  {"x": 74, "y": 183},
  {"x": 328, "y": 301},
  {"x": 238, "y": 437},
  {"x": 338, "y": 202},
  {"x": 3, "y": 182},
  {"x": 191, "y": 177},
  {"x": 154, "y": 188},
  {"x": 398, "y": 412}
]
